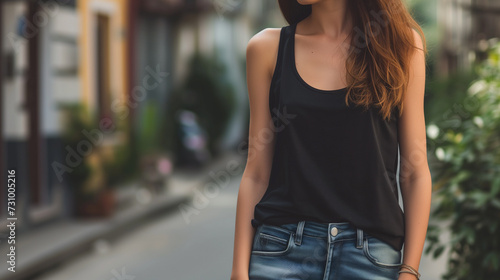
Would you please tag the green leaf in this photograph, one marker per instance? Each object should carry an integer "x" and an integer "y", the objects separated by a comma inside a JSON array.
[
  {"x": 495, "y": 203},
  {"x": 495, "y": 186},
  {"x": 492, "y": 259},
  {"x": 479, "y": 198},
  {"x": 439, "y": 250}
]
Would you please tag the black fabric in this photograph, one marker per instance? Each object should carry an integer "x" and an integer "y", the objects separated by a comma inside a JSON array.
[{"x": 331, "y": 162}]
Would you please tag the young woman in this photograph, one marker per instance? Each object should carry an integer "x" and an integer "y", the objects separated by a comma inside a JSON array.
[{"x": 336, "y": 102}]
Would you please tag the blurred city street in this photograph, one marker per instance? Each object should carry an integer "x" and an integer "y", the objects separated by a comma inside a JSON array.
[{"x": 120, "y": 119}]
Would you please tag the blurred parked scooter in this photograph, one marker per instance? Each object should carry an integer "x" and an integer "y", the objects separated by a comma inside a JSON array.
[{"x": 193, "y": 151}]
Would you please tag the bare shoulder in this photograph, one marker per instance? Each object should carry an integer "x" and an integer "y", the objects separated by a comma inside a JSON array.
[
  {"x": 264, "y": 39},
  {"x": 418, "y": 63},
  {"x": 417, "y": 40},
  {"x": 263, "y": 47}
]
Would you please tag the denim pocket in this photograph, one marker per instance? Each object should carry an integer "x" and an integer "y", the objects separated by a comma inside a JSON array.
[
  {"x": 272, "y": 241},
  {"x": 381, "y": 254}
]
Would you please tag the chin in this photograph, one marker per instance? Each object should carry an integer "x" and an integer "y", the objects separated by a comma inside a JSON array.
[{"x": 308, "y": 2}]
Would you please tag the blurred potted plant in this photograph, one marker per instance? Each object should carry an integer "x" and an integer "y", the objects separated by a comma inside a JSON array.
[
  {"x": 101, "y": 203},
  {"x": 156, "y": 170},
  {"x": 467, "y": 181},
  {"x": 118, "y": 162},
  {"x": 88, "y": 178}
]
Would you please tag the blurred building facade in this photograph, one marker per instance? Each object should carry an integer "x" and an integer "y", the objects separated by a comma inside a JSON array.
[
  {"x": 39, "y": 72},
  {"x": 103, "y": 54},
  {"x": 99, "y": 53},
  {"x": 465, "y": 26}
]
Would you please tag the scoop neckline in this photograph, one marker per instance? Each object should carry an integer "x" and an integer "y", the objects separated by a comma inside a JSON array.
[{"x": 294, "y": 66}]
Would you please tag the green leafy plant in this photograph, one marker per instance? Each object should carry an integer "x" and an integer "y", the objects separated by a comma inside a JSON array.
[
  {"x": 120, "y": 166},
  {"x": 148, "y": 131},
  {"x": 120, "y": 162},
  {"x": 207, "y": 92},
  {"x": 467, "y": 179},
  {"x": 106, "y": 165},
  {"x": 76, "y": 117},
  {"x": 440, "y": 92}
]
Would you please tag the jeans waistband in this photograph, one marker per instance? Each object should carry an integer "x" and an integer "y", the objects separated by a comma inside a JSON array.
[{"x": 332, "y": 231}]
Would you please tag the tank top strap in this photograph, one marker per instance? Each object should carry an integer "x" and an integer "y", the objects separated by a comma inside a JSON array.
[
  {"x": 281, "y": 61},
  {"x": 284, "y": 34},
  {"x": 288, "y": 45}
]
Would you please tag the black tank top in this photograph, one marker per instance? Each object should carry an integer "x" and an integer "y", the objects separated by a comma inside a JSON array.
[{"x": 331, "y": 162}]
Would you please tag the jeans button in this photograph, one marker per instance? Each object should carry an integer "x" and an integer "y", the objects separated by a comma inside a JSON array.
[{"x": 334, "y": 231}]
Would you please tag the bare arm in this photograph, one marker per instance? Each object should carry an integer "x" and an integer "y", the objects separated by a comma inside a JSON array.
[
  {"x": 415, "y": 177},
  {"x": 260, "y": 67}
]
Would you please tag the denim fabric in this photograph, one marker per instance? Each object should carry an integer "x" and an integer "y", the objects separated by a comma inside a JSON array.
[{"x": 328, "y": 251}]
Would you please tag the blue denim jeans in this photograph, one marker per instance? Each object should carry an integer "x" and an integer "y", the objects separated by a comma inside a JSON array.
[{"x": 327, "y": 251}]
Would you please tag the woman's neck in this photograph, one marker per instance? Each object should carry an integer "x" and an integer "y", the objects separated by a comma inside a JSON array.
[{"x": 330, "y": 18}]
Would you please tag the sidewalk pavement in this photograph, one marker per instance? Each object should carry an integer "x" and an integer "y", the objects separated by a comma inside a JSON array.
[{"x": 52, "y": 244}]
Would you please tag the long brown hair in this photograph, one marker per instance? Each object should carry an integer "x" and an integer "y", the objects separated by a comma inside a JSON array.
[{"x": 380, "y": 50}]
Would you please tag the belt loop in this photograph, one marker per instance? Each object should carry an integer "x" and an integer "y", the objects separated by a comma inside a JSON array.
[
  {"x": 298, "y": 234},
  {"x": 359, "y": 238}
]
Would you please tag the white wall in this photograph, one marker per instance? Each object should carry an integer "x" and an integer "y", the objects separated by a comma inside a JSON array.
[
  {"x": 58, "y": 53},
  {"x": 58, "y": 63},
  {"x": 65, "y": 56},
  {"x": 14, "y": 106}
]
